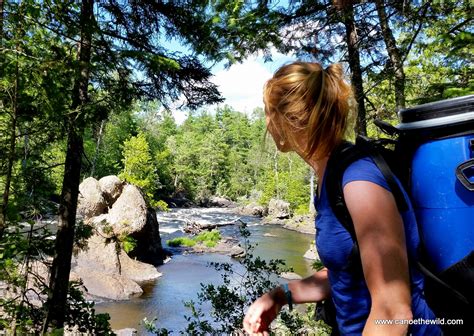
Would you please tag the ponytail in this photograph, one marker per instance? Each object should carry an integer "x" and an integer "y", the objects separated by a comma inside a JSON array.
[{"x": 305, "y": 97}]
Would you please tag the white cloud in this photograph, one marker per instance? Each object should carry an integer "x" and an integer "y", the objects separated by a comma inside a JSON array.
[{"x": 242, "y": 84}]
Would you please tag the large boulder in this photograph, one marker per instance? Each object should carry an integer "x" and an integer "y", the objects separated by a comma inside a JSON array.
[
  {"x": 301, "y": 223},
  {"x": 129, "y": 213},
  {"x": 111, "y": 187},
  {"x": 98, "y": 256},
  {"x": 253, "y": 209},
  {"x": 220, "y": 202},
  {"x": 103, "y": 256},
  {"x": 91, "y": 202},
  {"x": 110, "y": 286},
  {"x": 278, "y": 209},
  {"x": 116, "y": 211},
  {"x": 119, "y": 272},
  {"x": 149, "y": 248},
  {"x": 237, "y": 252}
]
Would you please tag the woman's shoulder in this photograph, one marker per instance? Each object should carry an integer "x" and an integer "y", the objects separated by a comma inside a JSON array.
[{"x": 364, "y": 169}]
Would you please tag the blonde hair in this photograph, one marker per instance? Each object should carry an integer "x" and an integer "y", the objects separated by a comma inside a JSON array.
[{"x": 303, "y": 97}]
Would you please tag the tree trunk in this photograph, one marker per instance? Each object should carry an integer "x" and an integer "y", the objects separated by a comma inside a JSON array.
[
  {"x": 59, "y": 282},
  {"x": 10, "y": 163},
  {"x": 356, "y": 71},
  {"x": 97, "y": 147},
  {"x": 394, "y": 54},
  {"x": 11, "y": 151}
]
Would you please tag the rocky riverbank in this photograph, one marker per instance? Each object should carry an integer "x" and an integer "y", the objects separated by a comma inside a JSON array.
[{"x": 278, "y": 212}]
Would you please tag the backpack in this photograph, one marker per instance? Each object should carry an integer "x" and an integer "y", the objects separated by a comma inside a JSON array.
[{"x": 446, "y": 256}]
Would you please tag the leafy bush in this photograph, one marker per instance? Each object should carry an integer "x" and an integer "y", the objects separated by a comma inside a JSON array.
[
  {"x": 128, "y": 243},
  {"x": 160, "y": 205},
  {"x": 81, "y": 317},
  {"x": 181, "y": 241},
  {"x": 207, "y": 238}
]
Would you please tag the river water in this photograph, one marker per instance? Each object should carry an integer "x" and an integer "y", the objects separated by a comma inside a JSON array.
[{"x": 164, "y": 298}]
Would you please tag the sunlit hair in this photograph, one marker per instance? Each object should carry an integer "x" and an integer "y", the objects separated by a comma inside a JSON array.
[{"x": 305, "y": 99}]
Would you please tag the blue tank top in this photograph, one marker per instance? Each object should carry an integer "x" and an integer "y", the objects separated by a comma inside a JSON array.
[{"x": 349, "y": 291}]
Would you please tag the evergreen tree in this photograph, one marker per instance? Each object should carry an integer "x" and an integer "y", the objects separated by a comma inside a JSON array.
[{"x": 138, "y": 168}]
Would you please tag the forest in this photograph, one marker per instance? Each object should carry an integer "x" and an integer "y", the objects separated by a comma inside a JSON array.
[{"x": 87, "y": 89}]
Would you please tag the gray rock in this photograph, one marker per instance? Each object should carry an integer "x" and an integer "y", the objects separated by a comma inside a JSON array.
[
  {"x": 91, "y": 202},
  {"x": 290, "y": 276},
  {"x": 137, "y": 270},
  {"x": 111, "y": 187},
  {"x": 129, "y": 213},
  {"x": 301, "y": 223},
  {"x": 253, "y": 209},
  {"x": 312, "y": 253},
  {"x": 149, "y": 248},
  {"x": 126, "y": 332},
  {"x": 278, "y": 209},
  {"x": 237, "y": 252},
  {"x": 109, "y": 286},
  {"x": 119, "y": 272},
  {"x": 220, "y": 202},
  {"x": 98, "y": 256}
]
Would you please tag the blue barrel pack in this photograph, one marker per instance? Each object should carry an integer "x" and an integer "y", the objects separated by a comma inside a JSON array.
[{"x": 442, "y": 176}]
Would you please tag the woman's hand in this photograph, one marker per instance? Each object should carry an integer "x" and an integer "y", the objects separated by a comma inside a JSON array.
[{"x": 263, "y": 311}]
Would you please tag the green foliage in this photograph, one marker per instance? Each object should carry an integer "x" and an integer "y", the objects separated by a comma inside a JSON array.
[
  {"x": 19, "y": 250},
  {"x": 119, "y": 127},
  {"x": 152, "y": 328},
  {"x": 207, "y": 238},
  {"x": 289, "y": 180},
  {"x": 81, "y": 313},
  {"x": 128, "y": 128},
  {"x": 181, "y": 241},
  {"x": 81, "y": 235},
  {"x": 161, "y": 205},
  {"x": 138, "y": 168},
  {"x": 299, "y": 323},
  {"x": 128, "y": 243}
]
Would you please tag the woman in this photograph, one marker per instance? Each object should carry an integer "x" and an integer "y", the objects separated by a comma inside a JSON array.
[{"x": 307, "y": 111}]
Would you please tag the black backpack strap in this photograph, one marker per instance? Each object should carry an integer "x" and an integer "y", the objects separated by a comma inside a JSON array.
[
  {"x": 343, "y": 156},
  {"x": 375, "y": 152},
  {"x": 432, "y": 277}
]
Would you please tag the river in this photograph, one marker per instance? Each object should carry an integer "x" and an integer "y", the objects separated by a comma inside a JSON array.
[{"x": 182, "y": 275}]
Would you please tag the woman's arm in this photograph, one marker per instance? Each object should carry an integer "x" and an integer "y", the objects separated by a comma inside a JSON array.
[
  {"x": 311, "y": 289},
  {"x": 381, "y": 238},
  {"x": 265, "y": 309}
]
